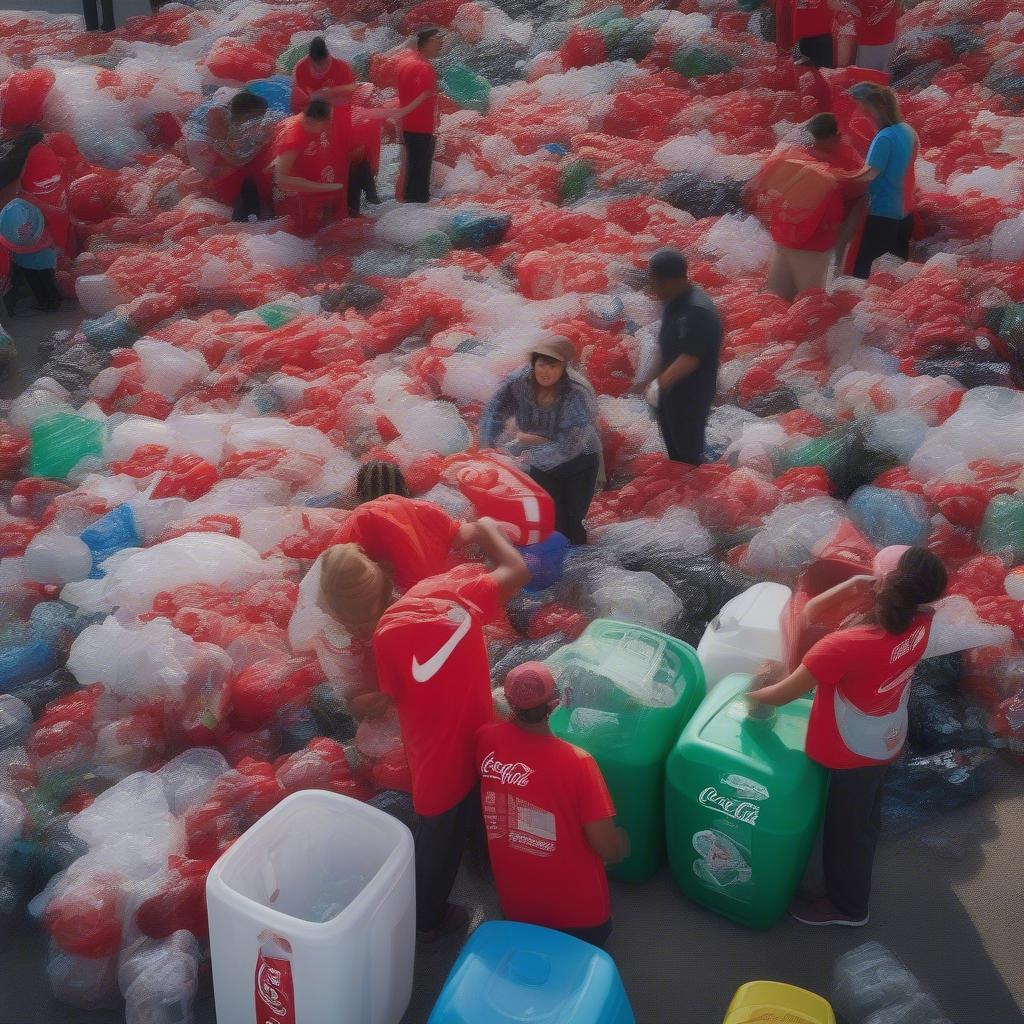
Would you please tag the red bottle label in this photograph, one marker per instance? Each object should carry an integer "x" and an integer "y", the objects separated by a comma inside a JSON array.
[{"x": 275, "y": 996}]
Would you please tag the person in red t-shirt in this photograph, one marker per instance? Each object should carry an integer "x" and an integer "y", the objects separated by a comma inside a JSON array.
[
  {"x": 809, "y": 24},
  {"x": 307, "y": 175},
  {"x": 549, "y": 817},
  {"x": 417, "y": 97},
  {"x": 813, "y": 208},
  {"x": 876, "y": 33},
  {"x": 858, "y": 724},
  {"x": 432, "y": 663}
]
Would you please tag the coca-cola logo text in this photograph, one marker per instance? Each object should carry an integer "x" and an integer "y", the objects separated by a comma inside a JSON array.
[
  {"x": 741, "y": 810},
  {"x": 508, "y": 773},
  {"x": 268, "y": 985}
]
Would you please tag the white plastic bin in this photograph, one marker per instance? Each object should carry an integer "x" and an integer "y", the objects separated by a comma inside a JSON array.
[
  {"x": 744, "y": 633},
  {"x": 333, "y": 877}
]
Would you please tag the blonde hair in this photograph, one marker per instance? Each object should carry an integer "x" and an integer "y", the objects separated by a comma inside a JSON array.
[
  {"x": 883, "y": 101},
  {"x": 353, "y": 588}
]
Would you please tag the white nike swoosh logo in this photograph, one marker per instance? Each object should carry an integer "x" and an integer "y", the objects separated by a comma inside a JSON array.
[{"x": 425, "y": 672}]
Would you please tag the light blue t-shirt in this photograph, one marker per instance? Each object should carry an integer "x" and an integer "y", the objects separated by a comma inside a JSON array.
[{"x": 890, "y": 154}]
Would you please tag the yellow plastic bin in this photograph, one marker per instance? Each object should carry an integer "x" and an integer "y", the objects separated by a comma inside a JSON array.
[{"x": 771, "y": 1002}]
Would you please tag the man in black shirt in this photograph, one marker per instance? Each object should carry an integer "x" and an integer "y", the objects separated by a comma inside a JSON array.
[{"x": 690, "y": 340}]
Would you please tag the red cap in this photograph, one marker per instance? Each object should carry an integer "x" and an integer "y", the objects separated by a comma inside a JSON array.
[{"x": 529, "y": 686}]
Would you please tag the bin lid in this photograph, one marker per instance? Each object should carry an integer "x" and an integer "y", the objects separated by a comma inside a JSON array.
[{"x": 757, "y": 609}]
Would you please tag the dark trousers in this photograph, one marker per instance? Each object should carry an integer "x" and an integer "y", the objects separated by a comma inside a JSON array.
[
  {"x": 42, "y": 284},
  {"x": 853, "y": 820},
  {"x": 882, "y": 235},
  {"x": 248, "y": 203},
  {"x": 596, "y": 936},
  {"x": 682, "y": 432},
  {"x": 92, "y": 21},
  {"x": 419, "y": 158},
  {"x": 360, "y": 183},
  {"x": 571, "y": 486},
  {"x": 440, "y": 841},
  {"x": 819, "y": 50}
]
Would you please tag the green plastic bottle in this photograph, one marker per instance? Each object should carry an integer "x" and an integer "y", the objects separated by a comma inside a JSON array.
[
  {"x": 61, "y": 441},
  {"x": 576, "y": 177},
  {"x": 742, "y": 805},
  {"x": 1002, "y": 529},
  {"x": 627, "y": 691}
]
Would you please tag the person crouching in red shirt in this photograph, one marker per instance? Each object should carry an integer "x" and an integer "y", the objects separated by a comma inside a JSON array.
[
  {"x": 549, "y": 817},
  {"x": 417, "y": 96},
  {"x": 431, "y": 661},
  {"x": 309, "y": 181}
]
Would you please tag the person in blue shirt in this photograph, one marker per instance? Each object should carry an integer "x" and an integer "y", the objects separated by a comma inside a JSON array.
[
  {"x": 555, "y": 415},
  {"x": 889, "y": 174}
]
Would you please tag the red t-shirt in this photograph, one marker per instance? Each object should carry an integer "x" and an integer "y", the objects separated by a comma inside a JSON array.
[
  {"x": 317, "y": 154},
  {"x": 305, "y": 82},
  {"x": 413, "y": 536},
  {"x": 432, "y": 661},
  {"x": 859, "y": 716},
  {"x": 811, "y": 18},
  {"x": 876, "y": 25},
  {"x": 415, "y": 77},
  {"x": 537, "y": 793},
  {"x": 42, "y": 181}
]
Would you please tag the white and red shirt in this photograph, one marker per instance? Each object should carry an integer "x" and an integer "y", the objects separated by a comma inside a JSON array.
[
  {"x": 877, "y": 23},
  {"x": 538, "y": 792},
  {"x": 859, "y": 716},
  {"x": 432, "y": 661}
]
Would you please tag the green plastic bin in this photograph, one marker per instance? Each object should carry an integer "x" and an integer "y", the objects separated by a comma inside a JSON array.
[
  {"x": 743, "y": 803},
  {"x": 627, "y": 691}
]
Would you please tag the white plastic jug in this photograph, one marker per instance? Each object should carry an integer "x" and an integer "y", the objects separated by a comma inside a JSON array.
[
  {"x": 744, "y": 633},
  {"x": 312, "y": 916}
]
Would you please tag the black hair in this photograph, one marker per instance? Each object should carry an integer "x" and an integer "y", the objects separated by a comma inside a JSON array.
[
  {"x": 667, "y": 265},
  {"x": 377, "y": 478},
  {"x": 919, "y": 578},
  {"x": 244, "y": 104},
  {"x": 533, "y": 716},
  {"x": 318, "y": 49},
  {"x": 425, "y": 35},
  {"x": 822, "y": 126},
  {"x": 318, "y": 110},
  {"x": 14, "y": 154}
]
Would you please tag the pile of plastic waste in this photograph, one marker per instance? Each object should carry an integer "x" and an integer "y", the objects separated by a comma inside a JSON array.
[{"x": 166, "y": 675}]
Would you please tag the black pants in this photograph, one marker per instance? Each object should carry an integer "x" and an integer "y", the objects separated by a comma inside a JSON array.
[
  {"x": 92, "y": 22},
  {"x": 571, "y": 486},
  {"x": 682, "y": 432},
  {"x": 248, "y": 203},
  {"x": 853, "y": 819},
  {"x": 419, "y": 158},
  {"x": 819, "y": 50},
  {"x": 42, "y": 284},
  {"x": 440, "y": 841},
  {"x": 882, "y": 235},
  {"x": 360, "y": 183},
  {"x": 596, "y": 936}
]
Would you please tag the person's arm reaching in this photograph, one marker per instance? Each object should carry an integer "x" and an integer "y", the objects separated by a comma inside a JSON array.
[
  {"x": 496, "y": 415},
  {"x": 607, "y": 840},
  {"x": 796, "y": 684},
  {"x": 816, "y": 610},
  {"x": 336, "y": 92},
  {"x": 510, "y": 572},
  {"x": 289, "y": 183}
]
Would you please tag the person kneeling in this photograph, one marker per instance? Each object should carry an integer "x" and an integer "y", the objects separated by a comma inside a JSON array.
[{"x": 549, "y": 817}]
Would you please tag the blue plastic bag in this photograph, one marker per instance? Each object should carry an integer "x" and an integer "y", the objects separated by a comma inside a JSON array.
[{"x": 109, "y": 534}]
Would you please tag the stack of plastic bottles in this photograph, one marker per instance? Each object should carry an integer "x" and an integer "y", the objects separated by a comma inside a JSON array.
[{"x": 166, "y": 675}]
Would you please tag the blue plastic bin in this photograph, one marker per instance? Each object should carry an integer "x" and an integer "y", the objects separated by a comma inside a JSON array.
[{"x": 508, "y": 973}]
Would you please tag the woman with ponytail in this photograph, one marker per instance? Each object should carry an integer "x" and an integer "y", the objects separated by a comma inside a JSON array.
[{"x": 860, "y": 676}]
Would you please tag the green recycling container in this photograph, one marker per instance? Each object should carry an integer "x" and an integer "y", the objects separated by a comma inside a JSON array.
[
  {"x": 743, "y": 803},
  {"x": 627, "y": 691}
]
